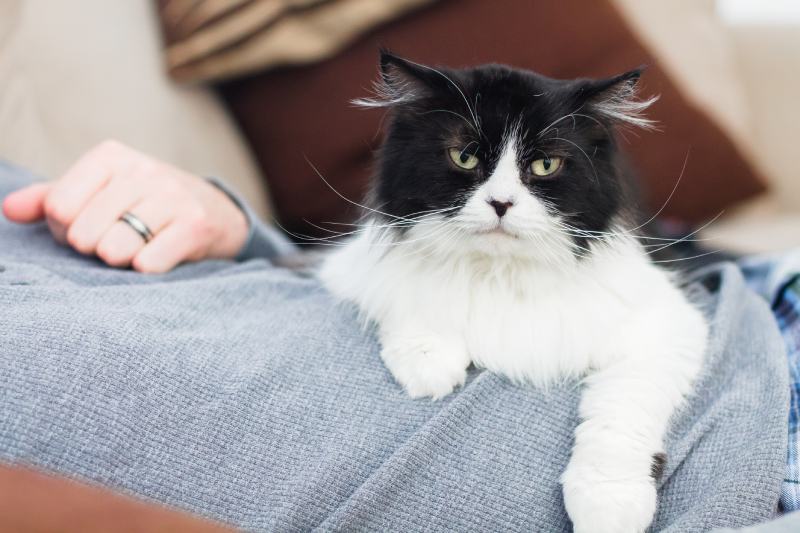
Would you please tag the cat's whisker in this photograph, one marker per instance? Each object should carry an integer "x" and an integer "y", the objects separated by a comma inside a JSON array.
[
  {"x": 605, "y": 128},
  {"x": 573, "y": 116},
  {"x": 406, "y": 248},
  {"x": 621, "y": 235},
  {"x": 460, "y": 91},
  {"x": 412, "y": 220},
  {"x": 589, "y": 159},
  {"x": 348, "y": 200},
  {"x": 590, "y": 234},
  {"x": 459, "y": 115},
  {"x": 684, "y": 239},
  {"x": 671, "y": 194},
  {"x": 335, "y": 234},
  {"x": 335, "y": 239},
  {"x": 435, "y": 239},
  {"x": 607, "y": 236},
  {"x": 309, "y": 239},
  {"x": 384, "y": 239},
  {"x": 552, "y": 124},
  {"x": 676, "y": 260}
]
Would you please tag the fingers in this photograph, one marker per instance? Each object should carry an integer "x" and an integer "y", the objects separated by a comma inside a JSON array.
[
  {"x": 101, "y": 212},
  {"x": 74, "y": 189},
  {"x": 26, "y": 205},
  {"x": 176, "y": 243},
  {"x": 121, "y": 243},
  {"x": 29, "y": 205}
]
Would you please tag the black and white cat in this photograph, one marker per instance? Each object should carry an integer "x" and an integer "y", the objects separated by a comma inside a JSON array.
[{"x": 499, "y": 236}]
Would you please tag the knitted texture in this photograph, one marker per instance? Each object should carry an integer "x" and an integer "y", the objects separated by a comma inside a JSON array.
[{"x": 243, "y": 392}]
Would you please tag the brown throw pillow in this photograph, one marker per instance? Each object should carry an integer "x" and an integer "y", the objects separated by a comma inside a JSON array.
[{"x": 295, "y": 115}]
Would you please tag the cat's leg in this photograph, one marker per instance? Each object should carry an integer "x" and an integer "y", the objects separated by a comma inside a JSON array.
[
  {"x": 609, "y": 484},
  {"x": 423, "y": 362}
]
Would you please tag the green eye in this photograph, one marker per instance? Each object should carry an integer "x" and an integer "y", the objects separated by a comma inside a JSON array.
[
  {"x": 463, "y": 159},
  {"x": 546, "y": 166}
]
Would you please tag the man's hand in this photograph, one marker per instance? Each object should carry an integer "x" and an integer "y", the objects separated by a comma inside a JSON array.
[{"x": 189, "y": 218}]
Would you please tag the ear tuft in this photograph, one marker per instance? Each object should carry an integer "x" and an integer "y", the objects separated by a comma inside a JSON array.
[
  {"x": 616, "y": 100},
  {"x": 399, "y": 83}
]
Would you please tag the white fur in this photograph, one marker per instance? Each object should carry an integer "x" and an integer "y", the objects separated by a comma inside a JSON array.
[
  {"x": 388, "y": 94},
  {"x": 623, "y": 108},
  {"x": 509, "y": 295}
]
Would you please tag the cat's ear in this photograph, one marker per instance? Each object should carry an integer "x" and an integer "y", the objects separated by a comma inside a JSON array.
[
  {"x": 616, "y": 100},
  {"x": 401, "y": 82}
]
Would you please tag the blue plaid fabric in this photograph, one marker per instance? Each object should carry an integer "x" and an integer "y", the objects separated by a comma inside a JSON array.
[
  {"x": 778, "y": 280},
  {"x": 787, "y": 312}
]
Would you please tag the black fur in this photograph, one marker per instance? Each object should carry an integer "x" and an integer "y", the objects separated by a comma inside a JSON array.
[
  {"x": 474, "y": 109},
  {"x": 658, "y": 465}
]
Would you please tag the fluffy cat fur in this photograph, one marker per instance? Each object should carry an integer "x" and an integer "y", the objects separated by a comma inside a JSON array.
[{"x": 538, "y": 278}]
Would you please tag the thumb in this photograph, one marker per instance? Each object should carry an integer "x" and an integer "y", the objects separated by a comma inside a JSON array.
[{"x": 26, "y": 205}]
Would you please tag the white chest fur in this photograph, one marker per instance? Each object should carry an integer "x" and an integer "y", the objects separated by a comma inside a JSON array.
[{"x": 511, "y": 315}]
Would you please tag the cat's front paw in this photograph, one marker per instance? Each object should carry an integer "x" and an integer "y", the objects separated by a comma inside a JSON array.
[
  {"x": 426, "y": 365},
  {"x": 600, "y": 499}
]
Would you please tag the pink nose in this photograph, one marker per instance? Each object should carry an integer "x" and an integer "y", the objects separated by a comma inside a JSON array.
[{"x": 500, "y": 207}]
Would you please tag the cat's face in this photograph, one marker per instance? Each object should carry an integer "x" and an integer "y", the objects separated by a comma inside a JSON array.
[{"x": 500, "y": 160}]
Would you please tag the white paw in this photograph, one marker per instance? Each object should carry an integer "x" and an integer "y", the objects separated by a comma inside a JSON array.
[
  {"x": 426, "y": 365},
  {"x": 600, "y": 500}
]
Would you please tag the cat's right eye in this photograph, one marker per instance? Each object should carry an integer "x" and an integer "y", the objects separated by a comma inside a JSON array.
[{"x": 462, "y": 159}]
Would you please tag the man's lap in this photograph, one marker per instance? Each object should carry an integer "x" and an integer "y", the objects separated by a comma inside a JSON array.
[{"x": 245, "y": 393}]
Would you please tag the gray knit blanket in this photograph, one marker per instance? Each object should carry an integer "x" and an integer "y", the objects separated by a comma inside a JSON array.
[{"x": 241, "y": 391}]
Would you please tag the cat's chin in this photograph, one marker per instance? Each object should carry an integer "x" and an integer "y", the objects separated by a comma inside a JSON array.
[
  {"x": 498, "y": 232},
  {"x": 497, "y": 243}
]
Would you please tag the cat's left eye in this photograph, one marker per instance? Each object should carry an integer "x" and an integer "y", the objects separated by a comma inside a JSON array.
[
  {"x": 462, "y": 159},
  {"x": 546, "y": 166}
]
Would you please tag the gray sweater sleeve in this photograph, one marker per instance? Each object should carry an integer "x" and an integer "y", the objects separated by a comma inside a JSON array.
[{"x": 263, "y": 240}]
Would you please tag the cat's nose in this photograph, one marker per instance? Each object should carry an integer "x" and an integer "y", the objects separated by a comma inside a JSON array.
[{"x": 500, "y": 207}]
